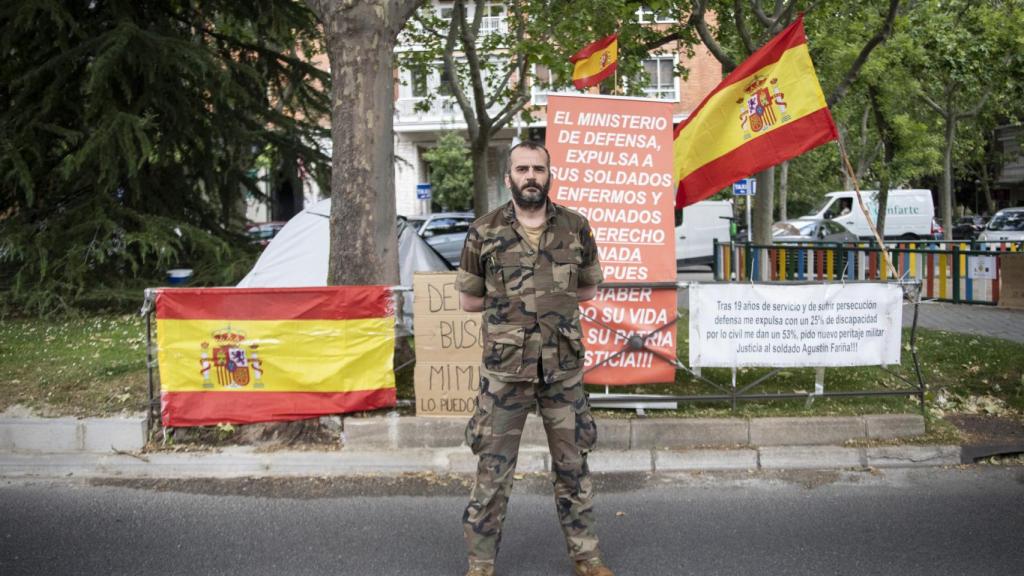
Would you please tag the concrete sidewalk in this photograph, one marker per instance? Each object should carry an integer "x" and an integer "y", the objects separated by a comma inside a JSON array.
[{"x": 394, "y": 445}]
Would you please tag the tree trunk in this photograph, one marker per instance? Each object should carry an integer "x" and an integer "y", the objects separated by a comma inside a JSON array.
[
  {"x": 361, "y": 38},
  {"x": 783, "y": 189},
  {"x": 478, "y": 153},
  {"x": 946, "y": 188},
  {"x": 761, "y": 217},
  {"x": 986, "y": 189}
]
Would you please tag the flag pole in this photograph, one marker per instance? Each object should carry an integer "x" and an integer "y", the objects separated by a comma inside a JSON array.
[{"x": 886, "y": 260}]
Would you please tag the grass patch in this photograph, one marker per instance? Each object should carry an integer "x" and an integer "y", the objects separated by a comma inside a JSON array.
[
  {"x": 85, "y": 366},
  {"x": 95, "y": 365}
]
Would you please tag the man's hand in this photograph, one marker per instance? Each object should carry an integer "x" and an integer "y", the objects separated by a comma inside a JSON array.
[
  {"x": 471, "y": 303},
  {"x": 586, "y": 293}
]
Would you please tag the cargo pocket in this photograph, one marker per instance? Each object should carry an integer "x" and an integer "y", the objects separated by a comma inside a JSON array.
[
  {"x": 570, "y": 347},
  {"x": 504, "y": 349},
  {"x": 586, "y": 427},
  {"x": 566, "y": 269},
  {"x": 479, "y": 426}
]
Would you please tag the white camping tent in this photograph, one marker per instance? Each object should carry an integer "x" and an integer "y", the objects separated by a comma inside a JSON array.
[{"x": 297, "y": 256}]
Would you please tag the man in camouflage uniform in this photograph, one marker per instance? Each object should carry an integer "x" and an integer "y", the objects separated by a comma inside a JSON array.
[{"x": 526, "y": 266}]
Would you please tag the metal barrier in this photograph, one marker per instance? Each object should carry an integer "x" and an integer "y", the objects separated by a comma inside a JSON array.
[{"x": 952, "y": 271}]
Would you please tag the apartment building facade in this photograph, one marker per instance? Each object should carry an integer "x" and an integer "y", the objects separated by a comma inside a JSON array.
[{"x": 417, "y": 130}]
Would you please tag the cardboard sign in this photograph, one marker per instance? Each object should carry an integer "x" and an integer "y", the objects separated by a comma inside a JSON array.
[
  {"x": 611, "y": 160},
  {"x": 448, "y": 348},
  {"x": 1011, "y": 271}
]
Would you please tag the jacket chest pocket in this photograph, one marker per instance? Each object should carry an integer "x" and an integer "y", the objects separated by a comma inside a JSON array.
[
  {"x": 503, "y": 349},
  {"x": 515, "y": 275},
  {"x": 565, "y": 269}
]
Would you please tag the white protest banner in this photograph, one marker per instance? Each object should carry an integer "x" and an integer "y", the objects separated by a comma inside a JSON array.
[{"x": 820, "y": 325}]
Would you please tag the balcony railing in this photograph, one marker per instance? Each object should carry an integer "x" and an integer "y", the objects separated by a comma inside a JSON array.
[{"x": 442, "y": 109}]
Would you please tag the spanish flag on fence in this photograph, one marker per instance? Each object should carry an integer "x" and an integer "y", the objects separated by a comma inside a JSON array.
[
  {"x": 243, "y": 355},
  {"x": 595, "y": 62},
  {"x": 766, "y": 111}
]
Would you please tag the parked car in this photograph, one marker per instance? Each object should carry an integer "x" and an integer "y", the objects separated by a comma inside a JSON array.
[
  {"x": 428, "y": 225},
  {"x": 445, "y": 231},
  {"x": 1006, "y": 226},
  {"x": 968, "y": 227},
  {"x": 811, "y": 230},
  {"x": 264, "y": 232}
]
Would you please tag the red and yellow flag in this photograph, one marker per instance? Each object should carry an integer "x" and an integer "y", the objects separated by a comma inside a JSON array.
[
  {"x": 595, "y": 62},
  {"x": 242, "y": 355},
  {"x": 766, "y": 111}
]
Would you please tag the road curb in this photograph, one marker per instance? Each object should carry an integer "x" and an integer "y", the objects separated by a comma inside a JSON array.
[{"x": 245, "y": 462}]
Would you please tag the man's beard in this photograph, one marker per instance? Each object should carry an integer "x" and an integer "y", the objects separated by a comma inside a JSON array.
[{"x": 535, "y": 200}]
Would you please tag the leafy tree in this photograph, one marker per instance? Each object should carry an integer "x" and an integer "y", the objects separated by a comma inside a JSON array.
[
  {"x": 360, "y": 39},
  {"x": 127, "y": 135},
  {"x": 969, "y": 55},
  {"x": 744, "y": 27},
  {"x": 451, "y": 172}
]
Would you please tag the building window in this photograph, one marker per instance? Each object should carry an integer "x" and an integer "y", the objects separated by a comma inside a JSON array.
[
  {"x": 493, "y": 19},
  {"x": 418, "y": 83},
  {"x": 662, "y": 78},
  {"x": 645, "y": 15}
]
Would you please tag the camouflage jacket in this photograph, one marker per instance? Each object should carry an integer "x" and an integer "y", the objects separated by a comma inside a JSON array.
[{"x": 530, "y": 308}]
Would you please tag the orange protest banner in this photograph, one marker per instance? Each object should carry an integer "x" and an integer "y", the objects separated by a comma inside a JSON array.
[{"x": 611, "y": 160}]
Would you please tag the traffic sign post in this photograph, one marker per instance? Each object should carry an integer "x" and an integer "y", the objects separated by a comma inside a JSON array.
[
  {"x": 423, "y": 194},
  {"x": 746, "y": 187}
]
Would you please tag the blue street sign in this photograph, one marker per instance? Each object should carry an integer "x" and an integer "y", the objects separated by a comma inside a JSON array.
[
  {"x": 423, "y": 191},
  {"x": 745, "y": 187}
]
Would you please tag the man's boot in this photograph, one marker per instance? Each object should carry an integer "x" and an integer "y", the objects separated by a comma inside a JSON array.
[
  {"x": 480, "y": 570},
  {"x": 592, "y": 567}
]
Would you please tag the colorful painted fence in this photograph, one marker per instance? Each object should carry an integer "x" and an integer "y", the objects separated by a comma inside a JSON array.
[{"x": 960, "y": 272}]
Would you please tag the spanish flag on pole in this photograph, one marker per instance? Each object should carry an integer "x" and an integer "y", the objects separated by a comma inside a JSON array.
[
  {"x": 242, "y": 355},
  {"x": 768, "y": 110},
  {"x": 595, "y": 62}
]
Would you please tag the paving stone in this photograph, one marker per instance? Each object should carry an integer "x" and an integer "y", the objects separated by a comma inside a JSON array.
[
  {"x": 912, "y": 456},
  {"x": 110, "y": 434},
  {"x": 894, "y": 425},
  {"x": 371, "y": 433},
  {"x": 42, "y": 434},
  {"x": 621, "y": 461},
  {"x": 431, "y": 431},
  {"x": 797, "y": 431},
  {"x": 705, "y": 459},
  {"x": 810, "y": 457},
  {"x": 688, "y": 432}
]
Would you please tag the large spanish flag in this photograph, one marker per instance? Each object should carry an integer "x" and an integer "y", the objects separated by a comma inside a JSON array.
[
  {"x": 242, "y": 355},
  {"x": 764, "y": 112},
  {"x": 595, "y": 62}
]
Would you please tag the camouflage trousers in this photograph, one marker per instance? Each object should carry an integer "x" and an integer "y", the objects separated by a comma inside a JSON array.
[{"x": 494, "y": 432}]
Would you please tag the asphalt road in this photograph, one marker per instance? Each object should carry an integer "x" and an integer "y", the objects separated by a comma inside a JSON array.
[{"x": 927, "y": 522}]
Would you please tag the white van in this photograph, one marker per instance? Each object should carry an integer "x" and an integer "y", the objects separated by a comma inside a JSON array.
[
  {"x": 909, "y": 214},
  {"x": 703, "y": 222}
]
